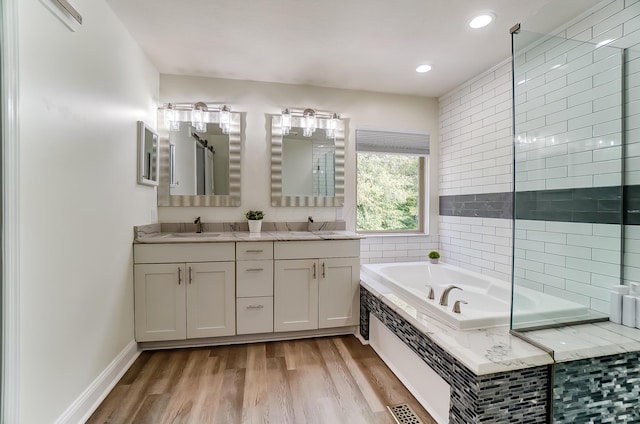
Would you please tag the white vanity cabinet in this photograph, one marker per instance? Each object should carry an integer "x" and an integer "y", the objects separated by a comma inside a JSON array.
[
  {"x": 254, "y": 287},
  {"x": 184, "y": 291},
  {"x": 316, "y": 284}
]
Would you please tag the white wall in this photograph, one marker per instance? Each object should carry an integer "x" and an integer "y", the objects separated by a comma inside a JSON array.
[
  {"x": 80, "y": 96},
  {"x": 362, "y": 109}
]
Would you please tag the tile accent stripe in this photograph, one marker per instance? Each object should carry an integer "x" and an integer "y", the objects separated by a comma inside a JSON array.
[
  {"x": 488, "y": 205},
  {"x": 518, "y": 396},
  {"x": 596, "y": 205},
  {"x": 603, "y": 390}
]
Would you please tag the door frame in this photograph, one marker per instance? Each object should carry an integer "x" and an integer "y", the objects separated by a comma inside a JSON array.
[{"x": 10, "y": 307}]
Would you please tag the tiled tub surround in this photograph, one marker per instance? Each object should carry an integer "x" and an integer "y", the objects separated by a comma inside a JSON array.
[
  {"x": 596, "y": 374},
  {"x": 494, "y": 377},
  {"x": 396, "y": 248}
]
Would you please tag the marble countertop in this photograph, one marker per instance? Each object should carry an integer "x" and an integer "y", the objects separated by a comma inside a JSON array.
[
  {"x": 484, "y": 351},
  {"x": 582, "y": 341},
  {"x": 238, "y": 232}
]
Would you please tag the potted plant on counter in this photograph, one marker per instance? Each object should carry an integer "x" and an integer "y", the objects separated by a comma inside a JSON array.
[
  {"x": 255, "y": 220},
  {"x": 434, "y": 256}
]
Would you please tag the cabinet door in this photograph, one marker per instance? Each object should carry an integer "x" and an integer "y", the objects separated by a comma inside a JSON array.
[
  {"x": 211, "y": 299},
  {"x": 159, "y": 291},
  {"x": 339, "y": 292},
  {"x": 295, "y": 295}
]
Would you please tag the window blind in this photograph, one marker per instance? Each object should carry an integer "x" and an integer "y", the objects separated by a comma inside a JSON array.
[{"x": 392, "y": 142}]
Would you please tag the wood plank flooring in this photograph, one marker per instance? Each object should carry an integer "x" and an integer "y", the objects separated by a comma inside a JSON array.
[{"x": 328, "y": 380}]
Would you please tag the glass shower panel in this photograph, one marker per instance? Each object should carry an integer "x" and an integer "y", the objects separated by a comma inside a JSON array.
[{"x": 568, "y": 147}]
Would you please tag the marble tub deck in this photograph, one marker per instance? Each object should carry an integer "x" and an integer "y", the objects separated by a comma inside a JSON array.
[{"x": 492, "y": 350}]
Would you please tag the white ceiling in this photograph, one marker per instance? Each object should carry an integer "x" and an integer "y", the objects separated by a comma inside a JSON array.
[{"x": 372, "y": 45}]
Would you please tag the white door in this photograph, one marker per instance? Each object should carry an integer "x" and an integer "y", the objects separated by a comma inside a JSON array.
[
  {"x": 295, "y": 295},
  {"x": 159, "y": 291},
  {"x": 339, "y": 292},
  {"x": 211, "y": 299}
]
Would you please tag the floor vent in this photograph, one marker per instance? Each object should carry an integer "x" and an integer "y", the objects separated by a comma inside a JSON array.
[{"x": 403, "y": 414}]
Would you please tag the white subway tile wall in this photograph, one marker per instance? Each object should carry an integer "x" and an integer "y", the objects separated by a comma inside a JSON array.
[
  {"x": 389, "y": 248},
  {"x": 574, "y": 261},
  {"x": 556, "y": 77}
]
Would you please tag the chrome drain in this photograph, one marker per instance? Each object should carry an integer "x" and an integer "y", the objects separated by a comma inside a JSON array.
[{"x": 403, "y": 414}]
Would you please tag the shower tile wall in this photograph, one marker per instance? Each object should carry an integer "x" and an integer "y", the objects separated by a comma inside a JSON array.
[
  {"x": 476, "y": 156},
  {"x": 476, "y": 174}
]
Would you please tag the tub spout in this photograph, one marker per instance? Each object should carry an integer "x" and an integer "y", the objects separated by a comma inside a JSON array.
[{"x": 444, "y": 299}]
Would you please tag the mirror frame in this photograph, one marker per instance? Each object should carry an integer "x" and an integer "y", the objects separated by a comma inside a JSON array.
[
  {"x": 142, "y": 129},
  {"x": 277, "y": 198},
  {"x": 165, "y": 198}
]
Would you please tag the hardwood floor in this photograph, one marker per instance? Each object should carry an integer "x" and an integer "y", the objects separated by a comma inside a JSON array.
[{"x": 323, "y": 380}]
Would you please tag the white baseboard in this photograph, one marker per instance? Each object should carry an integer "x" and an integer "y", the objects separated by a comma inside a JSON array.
[{"x": 82, "y": 408}]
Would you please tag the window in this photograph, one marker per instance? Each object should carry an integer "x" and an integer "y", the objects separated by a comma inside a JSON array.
[{"x": 390, "y": 180}]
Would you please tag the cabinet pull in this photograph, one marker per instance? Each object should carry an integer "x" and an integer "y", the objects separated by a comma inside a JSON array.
[
  {"x": 255, "y": 306},
  {"x": 179, "y": 275},
  {"x": 323, "y": 275},
  {"x": 189, "y": 275},
  {"x": 314, "y": 271},
  {"x": 255, "y": 251},
  {"x": 254, "y": 269}
]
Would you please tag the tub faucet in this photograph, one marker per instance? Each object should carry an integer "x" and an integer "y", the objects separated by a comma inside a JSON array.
[
  {"x": 444, "y": 299},
  {"x": 431, "y": 295},
  {"x": 198, "y": 223},
  {"x": 309, "y": 222}
]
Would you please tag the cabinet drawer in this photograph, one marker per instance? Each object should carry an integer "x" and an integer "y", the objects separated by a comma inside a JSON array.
[
  {"x": 183, "y": 252},
  {"x": 316, "y": 249},
  {"x": 252, "y": 250},
  {"x": 254, "y": 278},
  {"x": 255, "y": 315}
]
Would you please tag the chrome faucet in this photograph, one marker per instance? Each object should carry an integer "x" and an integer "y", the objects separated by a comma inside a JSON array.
[
  {"x": 198, "y": 223},
  {"x": 444, "y": 299},
  {"x": 309, "y": 222}
]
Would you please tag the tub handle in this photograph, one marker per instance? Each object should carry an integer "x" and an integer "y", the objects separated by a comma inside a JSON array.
[
  {"x": 456, "y": 306},
  {"x": 431, "y": 295}
]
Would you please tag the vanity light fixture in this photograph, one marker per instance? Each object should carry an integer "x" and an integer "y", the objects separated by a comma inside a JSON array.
[
  {"x": 482, "y": 20},
  {"x": 225, "y": 119},
  {"x": 197, "y": 117},
  {"x": 200, "y": 114},
  {"x": 286, "y": 122},
  {"x": 308, "y": 122},
  {"x": 332, "y": 124},
  {"x": 171, "y": 118}
]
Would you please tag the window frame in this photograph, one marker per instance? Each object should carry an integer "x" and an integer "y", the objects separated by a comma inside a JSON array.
[{"x": 422, "y": 199}]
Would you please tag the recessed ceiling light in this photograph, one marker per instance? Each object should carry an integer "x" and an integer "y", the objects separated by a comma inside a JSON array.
[
  {"x": 423, "y": 68},
  {"x": 481, "y": 21}
]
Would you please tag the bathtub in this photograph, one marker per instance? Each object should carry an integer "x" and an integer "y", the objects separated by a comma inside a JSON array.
[{"x": 488, "y": 299}]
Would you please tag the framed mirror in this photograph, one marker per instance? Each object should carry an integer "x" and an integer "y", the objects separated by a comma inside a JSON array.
[
  {"x": 148, "y": 155},
  {"x": 200, "y": 168},
  {"x": 307, "y": 169}
]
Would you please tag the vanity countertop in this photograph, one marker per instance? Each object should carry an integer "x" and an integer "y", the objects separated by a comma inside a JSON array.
[
  {"x": 238, "y": 232},
  {"x": 240, "y": 236}
]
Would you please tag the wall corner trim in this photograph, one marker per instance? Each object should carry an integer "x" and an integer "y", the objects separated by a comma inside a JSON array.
[{"x": 89, "y": 400}]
